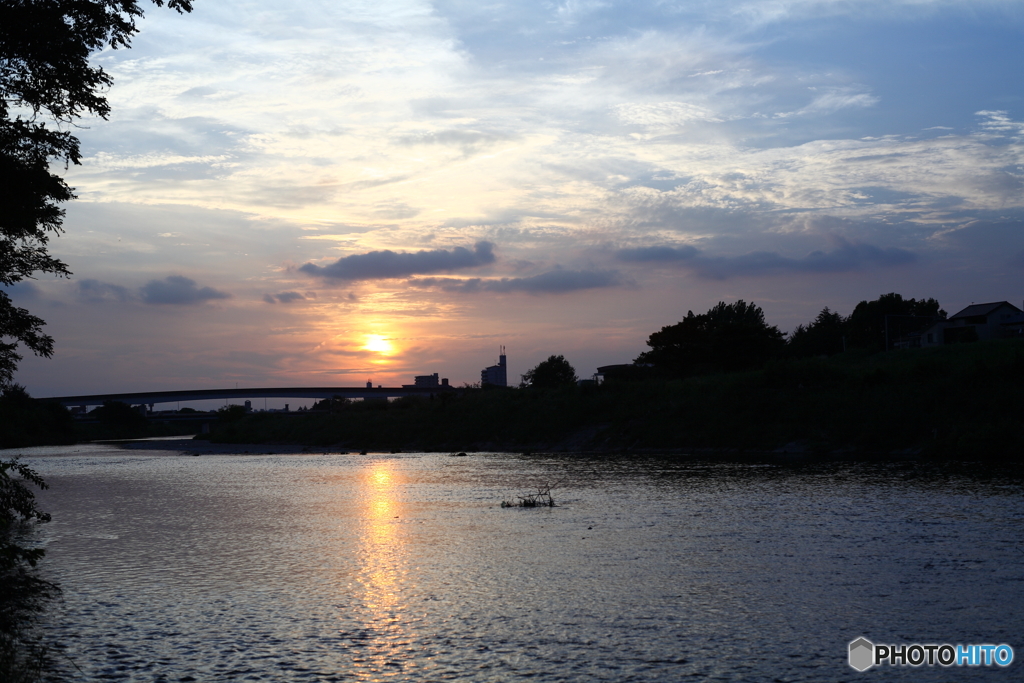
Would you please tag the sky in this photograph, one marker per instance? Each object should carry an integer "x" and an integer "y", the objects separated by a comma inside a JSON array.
[{"x": 325, "y": 193}]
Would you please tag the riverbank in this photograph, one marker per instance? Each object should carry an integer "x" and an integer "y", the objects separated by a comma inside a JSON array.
[
  {"x": 960, "y": 401},
  {"x": 192, "y": 446}
]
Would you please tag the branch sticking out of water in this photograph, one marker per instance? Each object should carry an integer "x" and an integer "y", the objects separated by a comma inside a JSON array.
[{"x": 541, "y": 499}]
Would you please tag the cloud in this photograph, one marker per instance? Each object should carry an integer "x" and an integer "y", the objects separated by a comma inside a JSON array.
[
  {"x": 283, "y": 297},
  {"x": 94, "y": 291},
  {"x": 657, "y": 254},
  {"x": 396, "y": 210},
  {"x": 1001, "y": 123},
  {"x": 1017, "y": 261},
  {"x": 847, "y": 256},
  {"x": 179, "y": 290},
  {"x": 552, "y": 282},
  {"x": 24, "y": 291},
  {"x": 834, "y": 99},
  {"x": 467, "y": 140},
  {"x": 662, "y": 114},
  {"x": 387, "y": 264}
]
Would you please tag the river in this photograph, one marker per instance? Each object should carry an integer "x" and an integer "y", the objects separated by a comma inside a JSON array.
[{"x": 332, "y": 567}]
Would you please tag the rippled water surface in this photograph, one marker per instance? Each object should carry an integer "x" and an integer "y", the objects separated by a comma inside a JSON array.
[{"x": 405, "y": 567}]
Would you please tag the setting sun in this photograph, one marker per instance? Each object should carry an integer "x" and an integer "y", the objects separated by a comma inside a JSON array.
[{"x": 377, "y": 343}]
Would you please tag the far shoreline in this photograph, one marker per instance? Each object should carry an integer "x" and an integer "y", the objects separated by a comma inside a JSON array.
[{"x": 193, "y": 447}]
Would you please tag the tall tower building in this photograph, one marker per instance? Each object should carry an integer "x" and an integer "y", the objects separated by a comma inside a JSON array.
[{"x": 495, "y": 375}]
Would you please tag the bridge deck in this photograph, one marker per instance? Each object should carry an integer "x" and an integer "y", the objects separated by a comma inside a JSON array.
[{"x": 148, "y": 397}]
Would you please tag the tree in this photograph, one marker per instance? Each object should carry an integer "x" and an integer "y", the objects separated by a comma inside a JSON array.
[
  {"x": 18, "y": 506},
  {"x": 119, "y": 418},
  {"x": 231, "y": 413},
  {"x": 728, "y": 337},
  {"x": 22, "y": 593},
  {"x": 823, "y": 336},
  {"x": 46, "y": 84},
  {"x": 25, "y": 421},
  {"x": 551, "y": 373},
  {"x": 890, "y": 315}
]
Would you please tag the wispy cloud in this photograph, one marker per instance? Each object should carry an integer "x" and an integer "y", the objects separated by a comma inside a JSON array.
[
  {"x": 663, "y": 114},
  {"x": 468, "y": 140},
  {"x": 387, "y": 264},
  {"x": 834, "y": 99},
  {"x": 1000, "y": 122}
]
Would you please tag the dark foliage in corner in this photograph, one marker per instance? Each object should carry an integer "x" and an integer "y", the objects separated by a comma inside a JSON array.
[
  {"x": 727, "y": 338},
  {"x": 22, "y": 594},
  {"x": 550, "y": 374},
  {"x": 18, "y": 506},
  {"x": 46, "y": 83}
]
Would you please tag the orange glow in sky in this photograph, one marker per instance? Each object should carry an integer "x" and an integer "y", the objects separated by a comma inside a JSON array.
[{"x": 378, "y": 344}]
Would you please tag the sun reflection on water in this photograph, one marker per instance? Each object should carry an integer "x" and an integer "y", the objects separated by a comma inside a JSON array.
[{"x": 382, "y": 560}]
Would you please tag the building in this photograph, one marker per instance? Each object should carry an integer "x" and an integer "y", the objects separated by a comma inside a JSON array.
[
  {"x": 622, "y": 372},
  {"x": 995, "y": 320},
  {"x": 428, "y": 381},
  {"x": 495, "y": 375}
]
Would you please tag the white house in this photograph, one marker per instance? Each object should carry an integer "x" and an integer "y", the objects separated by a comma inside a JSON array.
[{"x": 996, "y": 320}]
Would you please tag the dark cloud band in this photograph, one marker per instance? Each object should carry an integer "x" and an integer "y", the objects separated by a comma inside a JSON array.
[
  {"x": 847, "y": 257},
  {"x": 95, "y": 291},
  {"x": 283, "y": 297},
  {"x": 657, "y": 254},
  {"x": 387, "y": 264},
  {"x": 180, "y": 291},
  {"x": 552, "y": 282}
]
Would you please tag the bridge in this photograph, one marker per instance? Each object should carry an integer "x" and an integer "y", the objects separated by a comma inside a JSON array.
[{"x": 154, "y": 397}]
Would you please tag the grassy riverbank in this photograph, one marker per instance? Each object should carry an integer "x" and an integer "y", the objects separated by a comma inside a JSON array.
[{"x": 954, "y": 401}]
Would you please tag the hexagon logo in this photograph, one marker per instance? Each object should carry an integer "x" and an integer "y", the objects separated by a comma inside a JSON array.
[{"x": 862, "y": 654}]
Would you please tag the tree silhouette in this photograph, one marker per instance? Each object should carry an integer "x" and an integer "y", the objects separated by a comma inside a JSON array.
[
  {"x": 46, "y": 83},
  {"x": 728, "y": 337},
  {"x": 823, "y": 336},
  {"x": 866, "y": 326},
  {"x": 553, "y": 372}
]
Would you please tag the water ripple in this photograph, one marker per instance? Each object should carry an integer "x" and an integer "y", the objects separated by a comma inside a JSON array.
[{"x": 404, "y": 567}]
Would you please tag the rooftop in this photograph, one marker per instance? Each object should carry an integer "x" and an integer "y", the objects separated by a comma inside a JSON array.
[{"x": 983, "y": 309}]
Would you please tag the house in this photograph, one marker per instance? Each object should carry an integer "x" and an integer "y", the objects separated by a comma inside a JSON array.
[{"x": 995, "y": 320}]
